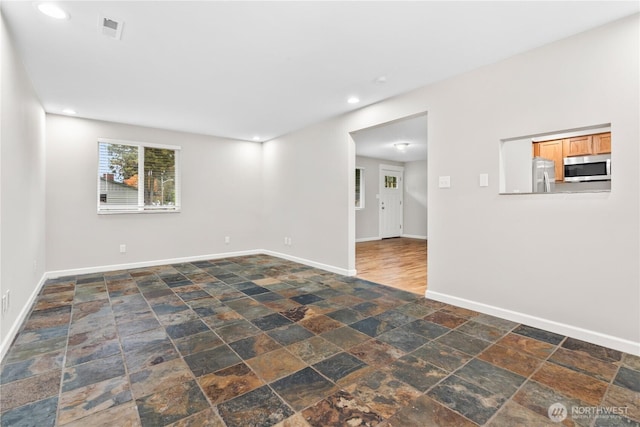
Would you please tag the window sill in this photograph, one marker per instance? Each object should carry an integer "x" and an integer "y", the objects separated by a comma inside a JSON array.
[{"x": 136, "y": 212}]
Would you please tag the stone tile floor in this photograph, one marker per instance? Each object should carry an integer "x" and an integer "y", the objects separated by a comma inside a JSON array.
[{"x": 259, "y": 341}]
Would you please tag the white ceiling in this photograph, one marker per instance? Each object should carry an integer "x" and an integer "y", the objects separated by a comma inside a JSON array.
[
  {"x": 240, "y": 69},
  {"x": 378, "y": 141}
]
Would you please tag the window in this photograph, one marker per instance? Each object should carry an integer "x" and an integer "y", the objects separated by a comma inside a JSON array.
[
  {"x": 390, "y": 182},
  {"x": 137, "y": 177},
  {"x": 359, "y": 188}
]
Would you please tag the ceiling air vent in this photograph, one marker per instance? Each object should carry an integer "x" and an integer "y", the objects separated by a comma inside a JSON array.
[{"x": 110, "y": 27}]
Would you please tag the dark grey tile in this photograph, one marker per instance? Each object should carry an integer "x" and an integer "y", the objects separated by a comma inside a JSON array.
[
  {"x": 185, "y": 329},
  {"x": 290, "y": 334},
  {"x": 92, "y": 372},
  {"x": 426, "y": 329},
  {"x": 267, "y": 296},
  {"x": 37, "y": 414},
  {"x": 137, "y": 326},
  {"x": 271, "y": 321},
  {"x": 306, "y": 299},
  {"x": 628, "y": 378},
  {"x": 237, "y": 331},
  {"x": 196, "y": 343},
  {"x": 593, "y": 350},
  {"x": 254, "y": 346},
  {"x": 442, "y": 356},
  {"x": 472, "y": 401},
  {"x": 346, "y": 316},
  {"x": 212, "y": 360},
  {"x": 465, "y": 343},
  {"x": 395, "y": 318},
  {"x": 404, "y": 340},
  {"x": 539, "y": 334},
  {"x": 416, "y": 372},
  {"x": 30, "y": 367},
  {"x": 490, "y": 377},
  {"x": 171, "y": 404},
  {"x": 303, "y": 388},
  {"x": 339, "y": 366},
  {"x": 372, "y": 326},
  {"x": 193, "y": 295},
  {"x": 42, "y": 334},
  {"x": 482, "y": 331},
  {"x": 260, "y": 407}
]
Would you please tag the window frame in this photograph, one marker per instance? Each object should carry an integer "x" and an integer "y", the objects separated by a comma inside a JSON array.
[
  {"x": 359, "y": 206},
  {"x": 140, "y": 207}
]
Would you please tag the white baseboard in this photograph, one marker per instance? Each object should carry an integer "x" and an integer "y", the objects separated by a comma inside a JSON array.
[
  {"x": 17, "y": 324},
  {"x": 310, "y": 263},
  {"x": 367, "y": 239},
  {"x": 594, "y": 337},
  {"x": 414, "y": 236},
  {"x": 142, "y": 264}
]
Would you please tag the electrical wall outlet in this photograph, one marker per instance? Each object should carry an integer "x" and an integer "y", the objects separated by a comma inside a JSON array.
[
  {"x": 227, "y": 240},
  {"x": 123, "y": 248}
]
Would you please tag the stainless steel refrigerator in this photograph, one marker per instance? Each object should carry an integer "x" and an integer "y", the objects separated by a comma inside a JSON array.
[{"x": 544, "y": 175}]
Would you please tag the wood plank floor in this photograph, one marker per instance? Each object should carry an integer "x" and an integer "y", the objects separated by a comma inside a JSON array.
[{"x": 400, "y": 262}]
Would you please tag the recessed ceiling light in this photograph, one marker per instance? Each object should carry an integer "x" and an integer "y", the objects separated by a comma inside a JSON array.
[
  {"x": 353, "y": 100},
  {"x": 256, "y": 138},
  {"x": 401, "y": 146},
  {"x": 381, "y": 80},
  {"x": 69, "y": 111},
  {"x": 53, "y": 11}
]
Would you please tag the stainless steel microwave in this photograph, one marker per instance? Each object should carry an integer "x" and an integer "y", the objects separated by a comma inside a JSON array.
[{"x": 587, "y": 168}]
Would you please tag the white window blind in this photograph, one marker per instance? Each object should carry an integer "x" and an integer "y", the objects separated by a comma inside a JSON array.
[{"x": 137, "y": 177}]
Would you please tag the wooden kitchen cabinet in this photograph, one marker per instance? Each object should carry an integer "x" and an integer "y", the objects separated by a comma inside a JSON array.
[
  {"x": 578, "y": 146},
  {"x": 558, "y": 149},
  {"x": 602, "y": 143},
  {"x": 552, "y": 150}
]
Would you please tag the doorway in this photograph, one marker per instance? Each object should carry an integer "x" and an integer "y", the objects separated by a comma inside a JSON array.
[
  {"x": 390, "y": 218},
  {"x": 391, "y": 197}
]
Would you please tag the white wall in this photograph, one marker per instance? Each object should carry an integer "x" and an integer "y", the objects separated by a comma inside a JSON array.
[
  {"x": 307, "y": 195},
  {"x": 415, "y": 199},
  {"x": 516, "y": 174},
  {"x": 221, "y": 196},
  {"x": 367, "y": 219},
  {"x": 567, "y": 262},
  {"x": 22, "y": 220}
]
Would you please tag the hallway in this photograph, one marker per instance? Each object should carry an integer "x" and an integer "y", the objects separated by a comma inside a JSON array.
[{"x": 400, "y": 262}]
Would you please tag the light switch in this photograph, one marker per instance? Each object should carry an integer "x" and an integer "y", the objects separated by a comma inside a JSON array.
[
  {"x": 484, "y": 180},
  {"x": 444, "y": 181}
]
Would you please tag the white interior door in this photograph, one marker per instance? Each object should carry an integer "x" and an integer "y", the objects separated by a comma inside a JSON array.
[{"x": 391, "y": 206}]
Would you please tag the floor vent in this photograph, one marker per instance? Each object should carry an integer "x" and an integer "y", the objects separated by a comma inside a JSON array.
[{"x": 110, "y": 27}]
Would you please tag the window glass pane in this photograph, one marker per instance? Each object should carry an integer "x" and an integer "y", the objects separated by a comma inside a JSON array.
[
  {"x": 160, "y": 177},
  {"x": 390, "y": 181},
  {"x": 118, "y": 174},
  {"x": 359, "y": 188}
]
